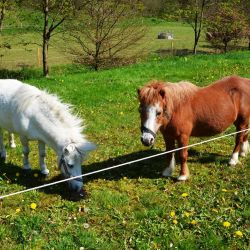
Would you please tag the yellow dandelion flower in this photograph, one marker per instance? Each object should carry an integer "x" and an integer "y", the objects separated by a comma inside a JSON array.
[
  {"x": 226, "y": 224},
  {"x": 172, "y": 213},
  {"x": 35, "y": 175},
  {"x": 121, "y": 113},
  {"x": 33, "y": 206},
  {"x": 193, "y": 222},
  {"x": 224, "y": 190},
  {"x": 175, "y": 222},
  {"x": 184, "y": 195},
  {"x": 17, "y": 174},
  {"x": 238, "y": 233},
  {"x": 187, "y": 214},
  {"x": 18, "y": 210}
]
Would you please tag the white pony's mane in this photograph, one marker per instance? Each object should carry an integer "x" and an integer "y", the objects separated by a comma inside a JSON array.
[{"x": 56, "y": 112}]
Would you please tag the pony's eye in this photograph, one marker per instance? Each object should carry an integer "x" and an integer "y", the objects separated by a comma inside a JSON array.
[
  {"x": 158, "y": 113},
  {"x": 70, "y": 165}
]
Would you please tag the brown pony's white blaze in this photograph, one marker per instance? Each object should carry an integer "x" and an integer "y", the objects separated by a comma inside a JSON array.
[{"x": 182, "y": 110}]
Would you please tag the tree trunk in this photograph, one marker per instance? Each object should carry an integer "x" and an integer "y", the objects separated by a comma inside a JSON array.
[
  {"x": 225, "y": 47},
  {"x": 46, "y": 37},
  {"x": 45, "y": 57},
  {"x": 198, "y": 24},
  {"x": 2, "y": 14},
  {"x": 195, "y": 32},
  {"x": 195, "y": 44}
]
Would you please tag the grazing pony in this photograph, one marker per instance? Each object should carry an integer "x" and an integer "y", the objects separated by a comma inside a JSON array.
[
  {"x": 182, "y": 110},
  {"x": 36, "y": 115}
]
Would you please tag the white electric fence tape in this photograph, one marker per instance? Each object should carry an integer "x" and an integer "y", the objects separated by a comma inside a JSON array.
[{"x": 122, "y": 164}]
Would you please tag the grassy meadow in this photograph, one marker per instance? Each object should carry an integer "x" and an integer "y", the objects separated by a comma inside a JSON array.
[{"x": 132, "y": 207}]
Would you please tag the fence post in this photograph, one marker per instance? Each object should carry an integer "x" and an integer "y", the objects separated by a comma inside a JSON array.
[
  {"x": 172, "y": 47},
  {"x": 38, "y": 57}
]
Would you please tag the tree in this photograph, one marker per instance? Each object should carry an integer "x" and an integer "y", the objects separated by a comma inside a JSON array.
[
  {"x": 192, "y": 12},
  {"x": 224, "y": 25},
  {"x": 5, "y": 5},
  {"x": 102, "y": 30},
  {"x": 246, "y": 10},
  {"x": 55, "y": 12}
]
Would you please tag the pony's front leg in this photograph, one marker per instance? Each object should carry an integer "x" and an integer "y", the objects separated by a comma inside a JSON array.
[
  {"x": 2, "y": 148},
  {"x": 170, "y": 145},
  {"x": 26, "y": 151},
  {"x": 12, "y": 140},
  {"x": 42, "y": 155},
  {"x": 184, "y": 173}
]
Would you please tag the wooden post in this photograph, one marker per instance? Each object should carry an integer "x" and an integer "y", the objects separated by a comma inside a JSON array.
[
  {"x": 38, "y": 57},
  {"x": 172, "y": 47}
]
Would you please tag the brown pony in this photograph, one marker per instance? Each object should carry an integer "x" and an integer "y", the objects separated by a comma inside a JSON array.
[{"x": 182, "y": 110}]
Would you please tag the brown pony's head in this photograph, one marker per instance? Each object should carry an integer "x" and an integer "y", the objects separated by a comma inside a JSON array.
[{"x": 152, "y": 109}]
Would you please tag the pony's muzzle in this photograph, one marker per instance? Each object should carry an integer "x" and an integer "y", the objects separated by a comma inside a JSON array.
[
  {"x": 75, "y": 185},
  {"x": 147, "y": 139}
]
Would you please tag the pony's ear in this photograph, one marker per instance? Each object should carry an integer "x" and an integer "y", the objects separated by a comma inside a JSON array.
[
  {"x": 162, "y": 93},
  {"x": 68, "y": 149},
  {"x": 86, "y": 146}
]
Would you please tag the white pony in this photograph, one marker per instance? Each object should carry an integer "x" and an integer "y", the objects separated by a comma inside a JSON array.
[{"x": 37, "y": 115}]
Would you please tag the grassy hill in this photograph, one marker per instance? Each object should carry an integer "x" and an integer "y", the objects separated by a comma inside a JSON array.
[{"x": 132, "y": 207}]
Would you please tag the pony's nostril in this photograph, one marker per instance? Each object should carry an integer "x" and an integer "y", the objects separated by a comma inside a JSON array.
[{"x": 151, "y": 140}]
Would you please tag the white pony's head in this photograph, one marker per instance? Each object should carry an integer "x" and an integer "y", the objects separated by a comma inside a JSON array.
[{"x": 70, "y": 162}]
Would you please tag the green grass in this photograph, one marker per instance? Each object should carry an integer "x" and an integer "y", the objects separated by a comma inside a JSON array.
[{"x": 129, "y": 208}]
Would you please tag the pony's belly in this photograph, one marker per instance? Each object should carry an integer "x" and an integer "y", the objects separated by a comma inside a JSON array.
[{"x": 208, "y": 130}]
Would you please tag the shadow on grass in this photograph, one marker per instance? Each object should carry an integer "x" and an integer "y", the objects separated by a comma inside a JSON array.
[
  {"x": 150, "y": 168},
  {"x": 180, "y": 52},
  {"x": 21, "y": 74},
  {"x": 206, "y": 157}
]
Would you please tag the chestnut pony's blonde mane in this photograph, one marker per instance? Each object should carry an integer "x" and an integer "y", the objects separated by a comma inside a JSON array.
[{"x": 175, "y": 94}]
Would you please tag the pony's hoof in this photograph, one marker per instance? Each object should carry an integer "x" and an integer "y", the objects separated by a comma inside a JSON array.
[
  {"x": 76, "y": 196},
  {"x": 45, "y": 172},
  {"x": 243, "y": 154},
  {"x": 182, "y": 178},
  {"x": 12, "y": 145},
  {"x": 233, "y": 162}
]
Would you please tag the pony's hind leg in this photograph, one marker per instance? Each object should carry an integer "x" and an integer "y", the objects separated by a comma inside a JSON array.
[
  {"x": 244, "y": 147},
  {"x": 26, "y": 151},
  {"x": 42, "y": 155},
  {"x": 240, "y": 139},
  {"x": 2, "y": 148},
  {"x": 12, "y": 140}
]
